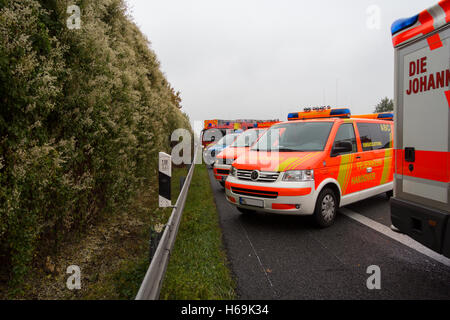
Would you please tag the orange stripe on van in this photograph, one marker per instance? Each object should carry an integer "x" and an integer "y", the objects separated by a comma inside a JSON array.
[
  {"x": 280, "y": 206},
  {"x": 428, "y": 165}
]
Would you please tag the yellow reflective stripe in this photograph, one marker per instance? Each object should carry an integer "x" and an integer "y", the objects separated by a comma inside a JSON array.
[
  {"x": 372, "y": 144},
  {"x": 300, "y": 161},
  {"x": 349, "y": 172},
  {"x": 387, "y": 166},
  {"x": 286, "y": 163},
  {"x": 344, "y": 172},
  {"x": 391, "y": 143},
  {"x": 292, "y": 162}
]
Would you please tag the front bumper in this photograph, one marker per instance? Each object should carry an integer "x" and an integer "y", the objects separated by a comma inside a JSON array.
[
  {"x": 221, "y": 172},
  {"x": 426, "y": 225},
  {"x": 293, "y": 198}
]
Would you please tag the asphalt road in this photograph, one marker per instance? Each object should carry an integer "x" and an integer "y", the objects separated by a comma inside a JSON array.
[{"x": 287, "y": 257}]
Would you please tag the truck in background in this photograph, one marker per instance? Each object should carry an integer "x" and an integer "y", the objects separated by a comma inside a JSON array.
[
  {"x": 420, "y": 207},
  {"x": 216, "y": 129}
]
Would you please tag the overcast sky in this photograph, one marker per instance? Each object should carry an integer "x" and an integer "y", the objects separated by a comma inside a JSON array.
[{"x": 261, "y": 59}]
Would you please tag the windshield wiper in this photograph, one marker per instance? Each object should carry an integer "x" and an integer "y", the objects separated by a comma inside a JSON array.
[{"x": 286, "y": 150}]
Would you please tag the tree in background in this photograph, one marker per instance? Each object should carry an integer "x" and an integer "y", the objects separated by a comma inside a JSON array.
[{"x": 385, "y": 105}]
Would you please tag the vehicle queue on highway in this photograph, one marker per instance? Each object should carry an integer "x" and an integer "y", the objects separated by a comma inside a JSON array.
[{"x": 323, "y": 158}]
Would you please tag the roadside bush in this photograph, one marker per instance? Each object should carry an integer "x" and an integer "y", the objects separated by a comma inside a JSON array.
[{"x": 83, "y": 116}]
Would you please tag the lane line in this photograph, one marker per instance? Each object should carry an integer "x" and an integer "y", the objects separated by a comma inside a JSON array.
[
  {"x": 259, "y": 260},
  {"x": 403, "y": 239}
]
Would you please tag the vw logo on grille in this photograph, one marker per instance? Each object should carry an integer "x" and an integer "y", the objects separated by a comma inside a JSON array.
[{"x": 255, "y": 175}]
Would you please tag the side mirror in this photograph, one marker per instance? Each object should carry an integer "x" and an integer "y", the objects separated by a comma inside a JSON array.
[
  {"x": 213, "y": 138},
  {"x": 341, "y": 148}
]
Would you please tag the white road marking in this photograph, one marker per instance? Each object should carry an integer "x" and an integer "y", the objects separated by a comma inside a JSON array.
[
  {"x": 257, "y": 256},
  {"x": 403, "y": 239},
  {"x": 254, "y": 251}
]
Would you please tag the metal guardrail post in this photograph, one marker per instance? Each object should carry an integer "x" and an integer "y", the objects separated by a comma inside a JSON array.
[{"x": 151, "y": 286}]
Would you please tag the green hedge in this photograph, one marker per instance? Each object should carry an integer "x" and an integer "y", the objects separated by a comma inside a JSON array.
[{"x": 83, "y": 115}]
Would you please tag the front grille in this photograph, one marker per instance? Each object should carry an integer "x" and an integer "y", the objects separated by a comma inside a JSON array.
[
  {"x": 255, "y": 193},
  {"x": 222, "y": 171},
  {"x": 228, "y": 161},
  {"x": 263, "y": 176}
]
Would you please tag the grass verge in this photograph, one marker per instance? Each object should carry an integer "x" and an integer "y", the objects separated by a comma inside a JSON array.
[{"x": 198, "y": 267}]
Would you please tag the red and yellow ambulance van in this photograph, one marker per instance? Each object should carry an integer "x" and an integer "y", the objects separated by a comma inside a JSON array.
[
  {"x": 240, "y": 146},
  {"x": 311, "y": 165}
]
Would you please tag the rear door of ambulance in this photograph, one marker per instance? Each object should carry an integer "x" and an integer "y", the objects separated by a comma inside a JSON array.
[{"x": 422, "y": 138}]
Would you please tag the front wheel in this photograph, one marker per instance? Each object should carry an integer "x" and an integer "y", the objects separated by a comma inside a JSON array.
[{"x": 326, "y": 208}]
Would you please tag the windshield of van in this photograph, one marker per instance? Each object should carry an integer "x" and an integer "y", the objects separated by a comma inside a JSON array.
[
  {"x": 247, "y": 139},
  {"x": 227, "y": 140},
  {"x": 295, "y": 137}
]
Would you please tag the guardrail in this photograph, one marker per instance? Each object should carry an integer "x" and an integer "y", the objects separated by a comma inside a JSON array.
[{"x": 151, "y": 286}]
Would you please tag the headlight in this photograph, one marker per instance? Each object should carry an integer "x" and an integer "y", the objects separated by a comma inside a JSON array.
[
  {"x": 233, "y": 172},
  {"x": 299, "y": 175}
]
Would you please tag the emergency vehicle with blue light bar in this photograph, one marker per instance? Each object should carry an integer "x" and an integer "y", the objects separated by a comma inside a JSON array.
[
  {"x": 319, "y": 160},
  {"x": 240, "y": 146},
  {"x": 319, "y": 112},
  {"x": 216, "y": 129},
  {"x": 421, "y": 203}
]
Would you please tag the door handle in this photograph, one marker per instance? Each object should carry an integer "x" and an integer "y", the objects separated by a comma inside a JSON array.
[
  {"x": 410, "y": 154},
  {"x": 369, "y": 170}
]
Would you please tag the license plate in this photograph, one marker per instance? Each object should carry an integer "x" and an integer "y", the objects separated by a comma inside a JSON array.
[{"x": 251, "y": 202}]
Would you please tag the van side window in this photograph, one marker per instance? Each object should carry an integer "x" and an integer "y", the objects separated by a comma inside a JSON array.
[
  {"x": 346, "y": 133},
  {"x": 375, "y": 136}
]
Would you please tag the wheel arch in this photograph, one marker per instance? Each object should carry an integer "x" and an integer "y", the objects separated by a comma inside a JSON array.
[{"x": 333, "y": 185}]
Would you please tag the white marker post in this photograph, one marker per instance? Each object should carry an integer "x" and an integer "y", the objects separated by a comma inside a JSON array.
[{"x": 165, "y": 177}]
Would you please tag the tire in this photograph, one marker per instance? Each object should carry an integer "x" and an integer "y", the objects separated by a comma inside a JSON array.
[
  {"x": 222, "y": 183},
  {"x": 389, "y": 194},
  {"x": 245, "y": 211},
  {"x": 326, "y": 208}
]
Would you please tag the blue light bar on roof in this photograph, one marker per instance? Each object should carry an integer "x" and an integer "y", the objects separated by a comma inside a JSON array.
[
  {"x": 404, "y": 23},
  {"x": 386, "y": 116},
  {"x": 293, "y": 115},
  {"x": 340, "y": 113}
]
